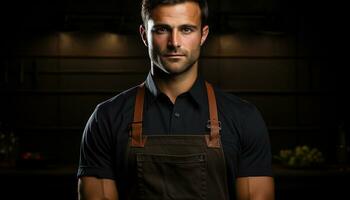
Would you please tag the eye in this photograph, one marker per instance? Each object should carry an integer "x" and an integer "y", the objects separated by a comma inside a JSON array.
[
  {"x": 160, "y": 30},
  {"x": 187, "y": 30}
]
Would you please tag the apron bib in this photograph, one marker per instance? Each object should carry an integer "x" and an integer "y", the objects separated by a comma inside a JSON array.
[{"x": 176, "y": 167}]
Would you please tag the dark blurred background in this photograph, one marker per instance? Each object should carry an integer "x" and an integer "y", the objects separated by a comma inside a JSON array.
[{"x": 59, "y": 59}]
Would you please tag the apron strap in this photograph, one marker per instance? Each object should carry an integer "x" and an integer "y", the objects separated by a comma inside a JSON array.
[
  {"x": 138, "y": 140},
  {"x": 213, "y": 140}
]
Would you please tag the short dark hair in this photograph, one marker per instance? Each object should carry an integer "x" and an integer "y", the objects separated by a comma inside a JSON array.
[{"x": 149, "y": 5}]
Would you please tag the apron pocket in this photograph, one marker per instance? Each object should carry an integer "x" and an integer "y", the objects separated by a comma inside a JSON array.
[{"x": 180, "y": 177}]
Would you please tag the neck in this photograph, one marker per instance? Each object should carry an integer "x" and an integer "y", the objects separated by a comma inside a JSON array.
[{"x": 173, "y": 85}]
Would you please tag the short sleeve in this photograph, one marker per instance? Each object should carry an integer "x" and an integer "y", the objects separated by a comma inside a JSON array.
[
  {"x": 255, "y": 156},
  {"x": 96, "y": 148}
]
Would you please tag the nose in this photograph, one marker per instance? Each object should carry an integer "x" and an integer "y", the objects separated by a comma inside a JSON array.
[{"x": 174, "y": 40}]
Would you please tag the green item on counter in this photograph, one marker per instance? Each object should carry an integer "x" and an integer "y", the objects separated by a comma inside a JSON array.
[{"x": 300, "y": 156}]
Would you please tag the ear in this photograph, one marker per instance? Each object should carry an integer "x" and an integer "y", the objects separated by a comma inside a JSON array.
[
  {"x": 143, "y": 34},
  {"x": 205, "y": 32}
]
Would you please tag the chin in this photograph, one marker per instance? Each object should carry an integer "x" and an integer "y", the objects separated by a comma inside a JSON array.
[{"x": 175, "y": 69}]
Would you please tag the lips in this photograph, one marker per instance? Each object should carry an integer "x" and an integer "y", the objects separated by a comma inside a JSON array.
[{"x": 173, "y": 55}]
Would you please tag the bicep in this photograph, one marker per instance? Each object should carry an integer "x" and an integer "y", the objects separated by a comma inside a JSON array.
[
  {"x": 255, "y": 188},
  {"x": 255, "y": 151},
  {"x": 92, "y": 188}
]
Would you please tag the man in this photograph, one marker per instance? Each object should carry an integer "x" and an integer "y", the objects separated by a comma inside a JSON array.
[{"x": 175, "y": 137}]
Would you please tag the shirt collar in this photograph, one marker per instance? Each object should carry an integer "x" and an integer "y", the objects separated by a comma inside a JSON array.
[
  {"x": 197, "y": 91},
  {"x": 151, "y": 85}
]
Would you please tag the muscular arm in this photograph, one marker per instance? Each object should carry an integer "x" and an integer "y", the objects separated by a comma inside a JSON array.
[
  {"x": 255, "y": 188},
  {"x": 91, "y": 188}
]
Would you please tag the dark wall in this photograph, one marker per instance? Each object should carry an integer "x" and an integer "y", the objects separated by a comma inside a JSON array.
[{"x": 59, "y": 59}]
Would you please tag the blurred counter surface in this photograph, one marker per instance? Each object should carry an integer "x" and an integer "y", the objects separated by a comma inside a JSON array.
[
  {"x": 64, "y": 170},
  {"x": 326, "y": 170},
  {"x": 328, "y": 182},
  {"x": 279, "y": 171}
]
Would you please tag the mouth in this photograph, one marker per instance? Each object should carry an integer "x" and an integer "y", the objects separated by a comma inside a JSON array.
[{"x": 174, "y": 55}]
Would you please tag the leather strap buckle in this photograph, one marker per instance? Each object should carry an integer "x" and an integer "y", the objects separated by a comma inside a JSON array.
[{"x": 214, "y": 125}]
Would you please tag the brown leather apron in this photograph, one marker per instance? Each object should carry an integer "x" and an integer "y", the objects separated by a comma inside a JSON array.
[{"x": 181, "y": 167}]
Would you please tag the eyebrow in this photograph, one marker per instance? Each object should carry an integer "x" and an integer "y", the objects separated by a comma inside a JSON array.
[{"x": 169, "y": 27}]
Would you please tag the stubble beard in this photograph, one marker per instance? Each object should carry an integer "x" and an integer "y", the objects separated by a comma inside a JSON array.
[{"x": 167, "y": 66}]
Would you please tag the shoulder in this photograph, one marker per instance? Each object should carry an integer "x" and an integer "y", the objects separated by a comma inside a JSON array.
[
  {"x": 234, "y": 105},
  {"x": 119, "y": 104},
  {"x": 240, "y": 115}
]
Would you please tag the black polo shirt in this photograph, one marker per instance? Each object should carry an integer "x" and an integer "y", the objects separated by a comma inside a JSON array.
[{"x": 244, "y": 135}]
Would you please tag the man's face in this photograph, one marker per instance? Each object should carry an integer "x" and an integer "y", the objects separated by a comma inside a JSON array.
[{"x": 174, "y": 36}]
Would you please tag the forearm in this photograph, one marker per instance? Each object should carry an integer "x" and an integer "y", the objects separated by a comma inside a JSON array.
[
  {"x": 255, "y": 188},
  {"x": 91, "y": 188}
]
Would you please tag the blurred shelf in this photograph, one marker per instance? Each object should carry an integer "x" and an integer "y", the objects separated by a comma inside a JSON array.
[
  {"x": 131, "y": 57},
  {"x": 91, "y": 72},
  {"x": 145, "y": 57}
]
